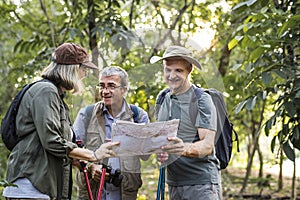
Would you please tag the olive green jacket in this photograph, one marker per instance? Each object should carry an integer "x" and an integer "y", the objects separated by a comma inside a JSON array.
[{"x": 41, "y": 156}]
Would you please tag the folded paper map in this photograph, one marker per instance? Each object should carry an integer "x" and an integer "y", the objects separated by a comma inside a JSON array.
[{"x": 142, "y": 139}]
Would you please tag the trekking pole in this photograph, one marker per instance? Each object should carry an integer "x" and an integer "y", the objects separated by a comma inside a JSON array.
[
  {"x": 102, "y": 180},
  {"x": 158, "y": 187},
  {"x": 85, "y": 172},
  {"x": 163, "y": 169},
  {"x": 161, "y": 185}
]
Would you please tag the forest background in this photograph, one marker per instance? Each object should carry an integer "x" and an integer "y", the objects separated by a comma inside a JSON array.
[{"x": 249, "y": 50}]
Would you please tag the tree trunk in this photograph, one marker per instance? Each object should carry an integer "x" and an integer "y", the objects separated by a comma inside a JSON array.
[
  {"x": 293, "y": 191},
  {"x": 261, "y": 162},
  {"x": 251, "y": 152},
  {"x": 249, "y": 165},
  {"x": 280, "y": 181},
  {"x": 92, "y": 37},
  {"x": 93, "y": 41},
  {"x": 224, "y": 60},
  {"x": 255, "y": 145}
]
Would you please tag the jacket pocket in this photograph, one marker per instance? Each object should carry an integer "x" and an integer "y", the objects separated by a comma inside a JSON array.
[{"x": 132, "y": 180}]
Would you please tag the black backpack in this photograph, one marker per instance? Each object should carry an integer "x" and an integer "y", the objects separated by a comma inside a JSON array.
[
  {"x": 224, "y": 134},
  {"x": 8, "y": 124}
]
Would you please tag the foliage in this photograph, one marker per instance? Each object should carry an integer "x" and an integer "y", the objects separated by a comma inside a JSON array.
[
  {"x": 253, "y": 57},
  {"x": 269, "y": 33}
]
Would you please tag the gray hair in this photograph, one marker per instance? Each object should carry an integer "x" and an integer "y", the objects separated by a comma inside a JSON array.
[
  {"x": 118, "y": 71},
  {"x": 63, "y": 75}
]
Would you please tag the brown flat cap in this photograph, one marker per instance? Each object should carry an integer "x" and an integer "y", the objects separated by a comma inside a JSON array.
[
  {"x": 72, "y": 54},
  {"x": 177, "y": 51}
]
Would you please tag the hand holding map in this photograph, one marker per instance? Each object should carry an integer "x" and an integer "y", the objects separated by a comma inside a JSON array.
[{"x": 142, "y": 139}]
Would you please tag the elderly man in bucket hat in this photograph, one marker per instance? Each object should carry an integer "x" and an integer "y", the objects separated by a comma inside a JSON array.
[{"x": 192, "y": 169}]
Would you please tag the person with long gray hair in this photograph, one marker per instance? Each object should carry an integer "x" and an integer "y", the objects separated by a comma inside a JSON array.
[{"x": 40, "y": 164}]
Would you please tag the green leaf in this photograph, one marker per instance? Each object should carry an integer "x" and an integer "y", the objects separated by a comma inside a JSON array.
[
  {"x": 240, "y": 106},
  {"x": 251, "y": 103},
  {"x": 234, "y": 42},
  {"x": 271, "y": 122},
  {"x": 236, "y": 66},
  {"x": 289, "y": 152},
  {"x": 290, "y": 108},
  {"x": 266, "y": 77},
  {"x": 262, "y": 95},
  {"x": 246, "y": 3},
  {"x": 281, "y": 73},
  {"x": 294, "y": 22},
  {"x": 273, "y": 144},
  {"x": 251, "y": 2},
  {"x": 295, "y": 139},
  {"x": 248, "y": 67},
  {"x": 257, "y": 53},
  {"x": 297, "y": 94}
]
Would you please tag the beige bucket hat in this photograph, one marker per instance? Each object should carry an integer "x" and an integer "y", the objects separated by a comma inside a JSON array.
[{"x": 177, "y": 51}]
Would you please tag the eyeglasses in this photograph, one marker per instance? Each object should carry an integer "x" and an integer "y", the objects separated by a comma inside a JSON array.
[{"x": 109, "y": 87}]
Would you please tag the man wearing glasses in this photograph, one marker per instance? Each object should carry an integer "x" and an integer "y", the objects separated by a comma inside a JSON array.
[{"x": 93, "y": 127}]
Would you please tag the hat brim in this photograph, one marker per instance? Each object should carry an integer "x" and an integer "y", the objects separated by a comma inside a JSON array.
[
  {"x": 155, "y": 59},
  {"x": 90, "y": 65}
]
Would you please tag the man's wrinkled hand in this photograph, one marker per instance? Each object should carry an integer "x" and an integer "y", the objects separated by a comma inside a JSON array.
[
  {"x": 175, "y": 146},
  {"x": 96, "y": 171},
  {"x": 105, "y": 150}
]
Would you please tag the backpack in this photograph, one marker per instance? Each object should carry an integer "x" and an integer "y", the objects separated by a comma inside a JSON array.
[
  {"x": 8, "y": 124},
  {"x": 225, "y": 131}
]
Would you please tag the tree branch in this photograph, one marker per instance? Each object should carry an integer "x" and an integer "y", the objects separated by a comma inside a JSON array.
[
  {"x": 131, "y": 14},
  {"x": 43, "y": 7}
]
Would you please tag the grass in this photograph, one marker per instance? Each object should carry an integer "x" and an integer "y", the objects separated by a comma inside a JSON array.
[{"x": 232, "y": 180}]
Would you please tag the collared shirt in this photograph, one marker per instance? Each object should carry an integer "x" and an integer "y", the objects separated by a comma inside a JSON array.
[
  {"x": 82, "y": 122},
  {"x": 112, "y": 192}
]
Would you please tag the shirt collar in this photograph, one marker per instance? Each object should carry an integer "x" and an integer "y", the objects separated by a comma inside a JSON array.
[{"x": 123, "y": 110}]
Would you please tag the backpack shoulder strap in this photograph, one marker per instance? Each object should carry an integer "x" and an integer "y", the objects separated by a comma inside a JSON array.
[
  {"x": 88, "y": 112},
  {"x": 160, "y": 99},
  {"x": 161, "y": 96},
  {"x": 136, "y": 113},
  {"x": 194, "y": 103},
  {"x": 198, "y": 92}
]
